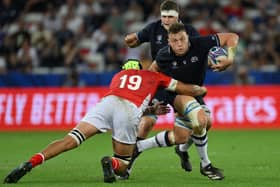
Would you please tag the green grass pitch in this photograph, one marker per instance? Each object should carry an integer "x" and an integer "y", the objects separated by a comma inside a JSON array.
[{"x": 249, "y": 158}]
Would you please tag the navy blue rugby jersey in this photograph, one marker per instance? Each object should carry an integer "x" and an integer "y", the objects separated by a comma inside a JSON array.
[
  {"x": 191, "y": 67},
  {"x": 156, "y": 34}
]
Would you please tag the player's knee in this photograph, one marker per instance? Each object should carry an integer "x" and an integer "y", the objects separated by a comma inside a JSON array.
[
  {"x": 202, "y": 119},
  {"x": 196, "y": 114},
  {"x": 199, "y": 131},
  {"x": 200, "y": 127},
  {"x": 208, "y": 114},
  {"x": 77, "y": 138},
  {"x": 171, "y": 138}
]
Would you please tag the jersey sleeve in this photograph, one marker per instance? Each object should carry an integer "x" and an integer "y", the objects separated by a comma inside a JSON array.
[
  {"x": 144, "y": 34},
  {"x": 158, "y": 56},
  {"x": 211, "y": 40},
  {"x": 167, "y": 82},
  {"x": 205, "y": 43}
]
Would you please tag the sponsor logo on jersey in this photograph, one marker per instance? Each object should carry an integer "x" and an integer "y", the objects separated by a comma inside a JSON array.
[
  {"x": 159, "y": 39},
  {"x": 194, "y": 59},
  {"x": 174, "y": 65}
]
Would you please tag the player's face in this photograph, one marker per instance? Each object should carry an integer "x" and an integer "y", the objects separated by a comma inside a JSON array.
[
  {"x": 167, "y": 21},
  {"x": 179, "y": 42}
]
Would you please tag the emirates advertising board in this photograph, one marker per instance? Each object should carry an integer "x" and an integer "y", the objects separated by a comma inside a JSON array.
[{"x": 232, "y": 107}]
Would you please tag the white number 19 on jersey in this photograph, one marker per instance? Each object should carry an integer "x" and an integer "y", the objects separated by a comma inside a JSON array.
[{"x": 133, "y": 82}]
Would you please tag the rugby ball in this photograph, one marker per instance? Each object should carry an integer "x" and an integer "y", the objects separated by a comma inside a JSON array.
[{"x": 216, "y": 52}]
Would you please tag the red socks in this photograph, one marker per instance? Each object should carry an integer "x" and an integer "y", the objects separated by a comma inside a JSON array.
[
  {"x": 115, "y": 163},
  {"x": 37, "y": 159}
]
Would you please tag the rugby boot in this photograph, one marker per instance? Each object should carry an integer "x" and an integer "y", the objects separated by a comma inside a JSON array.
[
  {"x": 184, "y": 157},
  {"x": 108, "y": 172},
  {"x": 18, "y": 173},
  {"x": 212, "y": 172}
]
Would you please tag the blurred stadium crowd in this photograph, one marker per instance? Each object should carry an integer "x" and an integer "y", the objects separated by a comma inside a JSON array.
[{"x": 39, "y": 36}]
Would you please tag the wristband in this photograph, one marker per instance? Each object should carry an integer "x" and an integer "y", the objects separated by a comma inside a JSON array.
[{"x": 231, "y": 52}]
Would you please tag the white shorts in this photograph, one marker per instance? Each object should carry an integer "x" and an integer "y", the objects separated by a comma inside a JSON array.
[{"x": 116, "y": 114}]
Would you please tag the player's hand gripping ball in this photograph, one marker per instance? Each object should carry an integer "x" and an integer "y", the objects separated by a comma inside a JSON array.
[{"x": 216, "y": 53}]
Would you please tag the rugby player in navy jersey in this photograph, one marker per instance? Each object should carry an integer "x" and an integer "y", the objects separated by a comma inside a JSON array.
[
  {"x": 185, "y": 59},
  {"x": 156, "y": 33}
]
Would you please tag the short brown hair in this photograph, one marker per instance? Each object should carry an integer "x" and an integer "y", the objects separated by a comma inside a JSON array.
[
  {"x": 176, "y": 27},
  {"x": 169, "y": 5}
]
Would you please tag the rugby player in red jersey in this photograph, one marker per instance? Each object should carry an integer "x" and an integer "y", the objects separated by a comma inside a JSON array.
[{"x": 120, "y": 111}]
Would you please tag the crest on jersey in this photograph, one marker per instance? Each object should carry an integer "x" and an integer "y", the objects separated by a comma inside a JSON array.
[
  {"x": 194, "y": 59},
  {"x": 174, "y": 64},
  {"x": 159, "y": 39}
]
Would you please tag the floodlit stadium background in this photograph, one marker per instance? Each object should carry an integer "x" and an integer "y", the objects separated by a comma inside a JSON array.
[{"x": 73, "y": 48}]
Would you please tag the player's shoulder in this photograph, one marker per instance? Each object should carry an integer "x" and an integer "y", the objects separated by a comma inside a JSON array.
[
  {"x": 164, "y": 52},
  {"x": 154, "y": 24},
  {"x": 191, "y": 30},
  {"x": 197, "y": 39},
  {"x": 164, "y": 55},
  {"x": 203, "y": 43}
]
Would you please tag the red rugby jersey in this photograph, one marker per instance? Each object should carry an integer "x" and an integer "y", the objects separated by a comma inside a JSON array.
[{"x": 138, "y": 86}]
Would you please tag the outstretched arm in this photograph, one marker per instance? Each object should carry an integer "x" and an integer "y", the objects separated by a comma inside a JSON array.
[
  {"x": 186, "y": 89},
  {"x": 131, "y": 40},
  {"x": 190, "y": 89}
]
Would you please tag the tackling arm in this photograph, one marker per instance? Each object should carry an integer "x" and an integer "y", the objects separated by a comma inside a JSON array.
[
  {"x": 187, "y": 89},
  {"x": 190, "y": 89},
  {"x": 159, "y": 108}
]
